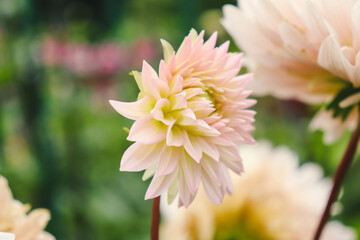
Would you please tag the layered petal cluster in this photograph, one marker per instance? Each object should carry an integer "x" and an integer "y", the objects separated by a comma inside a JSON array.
[
  {"x": 274, "y": 200},
  {"x": 303, "y": 49},
  {"x": 188, "y": 120},
  {"x": 14, "y": 218},
  {"x": 6, "y": 236}
]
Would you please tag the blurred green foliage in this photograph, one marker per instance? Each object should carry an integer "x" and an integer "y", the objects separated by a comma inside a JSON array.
[{"x": 61, "y": 143}]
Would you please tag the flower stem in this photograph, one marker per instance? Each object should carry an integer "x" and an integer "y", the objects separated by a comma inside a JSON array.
[
  {"x": 155, "y": 219},
  {"x": 339, "y": 177}
]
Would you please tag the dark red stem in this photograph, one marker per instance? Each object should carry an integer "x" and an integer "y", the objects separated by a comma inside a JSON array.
[
  {"x": 338, "y": 178},
  {"x": 155, "y": 219}
]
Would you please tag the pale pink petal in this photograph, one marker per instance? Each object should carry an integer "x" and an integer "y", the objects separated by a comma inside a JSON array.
[
  {"x": 176, "y": 85},
  {"x": 185, "y": 197},
  {"x": 331, "y": 58},
  {"x": 134, "y": 110},
  {"x": 159, "y": 184},
  {"x": 212, "y": 189},
  {"x": 230, "y": 157},
  {"x": 164, "y": 72},
  {"x": 152, "y": 84},
  {"x": 175, "y": 136},
  {"x": 169, "y": 160},
  {"x": 139, "y": 157},
  {"x": 147, "y": 130},
  {"x": 178, "y": 101},
  {"x": 194, "y": 152},
  {"x": 315, "y": 23},
  {"x": 162, "y": 106},
  {"x": 212, "y": 169},
  {"x": 355, "y": 19},
  {"x": 192, "y": 172}
]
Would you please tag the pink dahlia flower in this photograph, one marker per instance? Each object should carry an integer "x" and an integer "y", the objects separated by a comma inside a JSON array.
[
  {"x": 189, "y": 119},
  {"x": 305, "y": 50}
]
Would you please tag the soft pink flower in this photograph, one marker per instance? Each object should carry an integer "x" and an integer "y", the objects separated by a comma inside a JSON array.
[
  {"x": 305, "y": 50},
  {"x": 14, "y": 218},
  {"x": 188, "y": 120},
  {"x": 275, "y": 199}
]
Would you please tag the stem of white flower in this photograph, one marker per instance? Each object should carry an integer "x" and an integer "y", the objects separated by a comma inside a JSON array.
[
  {"x": 155, "y": 219},
  {"x": 339, "y": 177}
]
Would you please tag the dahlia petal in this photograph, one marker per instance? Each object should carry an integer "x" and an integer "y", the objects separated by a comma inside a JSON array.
[
  {"x": 185, "y": 197},
  {"x": 351, "y": 100},
  {"x": 227, "y": 183},
  {"x": 212, "y": 189},
  {"x": 133, "y": 110},
  {"x": 270, "y": 15},
  {"x": 158, "y": 185},
  {"x": 178, "y": 101},
  {"x": 149, "y": 172},
  {"x": 230, "y": 157},
  {"x": 234, "y": 19},
  {"x": 168, "y": 50},
  {"x": 147, "y": 130},
  {"x": 337, "y": 14},
  {"x": 152, "y": 84},
  {"x": 164, "y": 72},
  {"x": 187, "y": 117},
  {"x": 355, "y": 19},
  {"x": 139, "y": 157},
  {"x": 293, "y": 38},
  {"x": 176, "y": 85},
  {"x": 195, "y": 153},
  {"x": 331, "y": 58},
  {"x": 210, "y": 43},
  {"x": 138, "y": 79},
  {"x": 184, "y": 51},
  {"x": 211, "y": 168},
  {"x": 161, "y": 106},
  {"x": 148, "y": 75},
  {"x": 206, "y": 147},
  {"x": 193, "y": 34},
  {"x": 173, "y": 191},
  {"x": 175, "y": 136},
  {"x": 203, "y": 129},
  {"x": 172, "y": 64},
  {"x": 192, "y": 172},
  {"x": 169, "y": 160},
  {"x": 317, "y": 30}
]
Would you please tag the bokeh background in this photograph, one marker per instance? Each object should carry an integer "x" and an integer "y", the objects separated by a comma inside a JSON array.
[{"x": 60, "y": 141}]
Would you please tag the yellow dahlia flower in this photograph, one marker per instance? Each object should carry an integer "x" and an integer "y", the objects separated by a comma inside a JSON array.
[
  {"x": 275, "y": 199},
  {"x": 14, "y": 218},
  {"x": 188, "y": 120}
]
